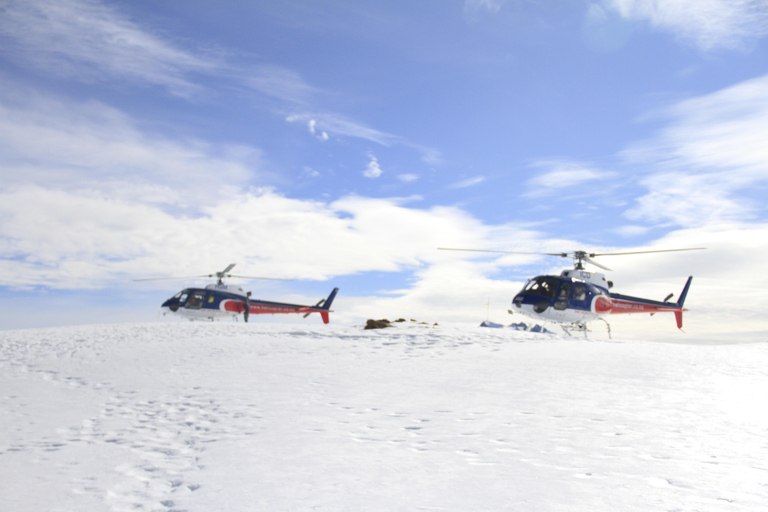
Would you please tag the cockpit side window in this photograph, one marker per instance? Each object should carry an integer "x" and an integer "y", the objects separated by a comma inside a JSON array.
[
  {"x": 565, "y": 291},
  {"x": 579, "y": 291},
  {"x": 195, "y": 300}
]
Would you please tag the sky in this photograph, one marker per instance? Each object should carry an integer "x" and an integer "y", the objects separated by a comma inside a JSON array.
[{"x": 340, "y": 143}]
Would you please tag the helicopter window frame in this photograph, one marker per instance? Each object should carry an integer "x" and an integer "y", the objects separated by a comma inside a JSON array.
[
  {"x": 579, "y": 292},
  {"x": 195, "y": 299}
]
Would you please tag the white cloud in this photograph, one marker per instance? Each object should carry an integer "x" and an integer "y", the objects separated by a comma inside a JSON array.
[
  {"x": 731, "y": 266},
  {"x": 328, "y": 124},
  {"x": 469, "y": 182},
  {"x": 81, "y": 238},
  {"x": 85, "y": 40},
  {"x": 459, "y": 291},
  {"x": 312, "y": 125},
  {"x": 687, "y": 200},
  {"x": 630, "y": 231},
  {"x": 338, "y": 125},
  {"x": 472, "y": 7},
  {"x": 709, "y": 24},
  {"x": 408, "y": 178},
  {"x": 373, "y": 169},
  {"x": 90, "y": 41},
  {"x": 725, "y": 130},
  {"x": 91, "y": 145},
  {"x": 275, "y": 81},
  {"x": 707, "y": 160},
  {"x": 560, "y": 175}
]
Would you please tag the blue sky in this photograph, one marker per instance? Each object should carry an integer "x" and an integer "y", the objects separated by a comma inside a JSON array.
[{"x": 340, "y": 142}]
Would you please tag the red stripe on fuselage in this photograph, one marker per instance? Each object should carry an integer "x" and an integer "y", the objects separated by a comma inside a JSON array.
[
  {"x": 268, "y": 309},
  {"x": 627, "y": 307}
]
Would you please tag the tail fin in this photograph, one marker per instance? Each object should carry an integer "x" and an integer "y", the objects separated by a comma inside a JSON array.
[
  {"x": 327, "y": 306},
  {"x": 680, "y": 302}
]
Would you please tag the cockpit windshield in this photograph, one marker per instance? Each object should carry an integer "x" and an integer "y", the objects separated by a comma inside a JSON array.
[{"x": 544, "y": 286}]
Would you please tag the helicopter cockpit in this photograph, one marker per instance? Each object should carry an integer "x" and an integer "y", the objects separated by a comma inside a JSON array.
[
  {"x": 187, "y": 298},
  {"x": 543, "y": 286},
  {"x": 559, "y": 293}
]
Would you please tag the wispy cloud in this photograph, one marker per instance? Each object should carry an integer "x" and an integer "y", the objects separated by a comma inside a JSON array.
[
  {"x": 335, "y": 124},
  {"x": 327, "y": 125},
  {"x": 561, "y": 174},
  {"x": 275, "y": 81},
  {"x": 70, "y": 145},
  {"x": 710, "y": 154},
  {"x": 469, "y": 182},
  {"x": 408, "y": 178},
  {"x": 688, "y": 200},
  {"x": 312, "y": 125},
  {"x": 725, "y": 130},
  {"x": 90, "y": 41},
  {"x": 710, "y": 24},
  {"x": 473, "y": 7}
]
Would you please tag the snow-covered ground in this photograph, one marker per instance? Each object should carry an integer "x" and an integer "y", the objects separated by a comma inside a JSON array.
[{"x": 274, "y": 417}]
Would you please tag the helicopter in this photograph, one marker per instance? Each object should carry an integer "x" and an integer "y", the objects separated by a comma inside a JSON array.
[
  {"x": 220, "y": 300},
  {"x": 577, "y": 296}
]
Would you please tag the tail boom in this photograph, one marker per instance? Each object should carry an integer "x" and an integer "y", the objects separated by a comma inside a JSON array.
[
  {"x": 625, "y": 304},
  {"x": 260, "y": 307}
]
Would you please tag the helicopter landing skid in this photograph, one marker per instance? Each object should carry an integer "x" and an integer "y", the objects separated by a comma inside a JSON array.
[
  {"x": 579, "y": 327},
  {"x": 582, "y": 327}
]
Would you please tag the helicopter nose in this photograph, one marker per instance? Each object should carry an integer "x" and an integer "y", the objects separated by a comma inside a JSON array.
[
  {"x": 541, "y": 306},
  {"x": 172, "y": 304}
]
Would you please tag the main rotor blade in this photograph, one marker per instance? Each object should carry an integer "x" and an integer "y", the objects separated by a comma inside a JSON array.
[
  {"x": 262, "y": 278},
  {"x": 230, "y": 267},
  {"x": 168, "y": 278},
  {"x": 647, "y": 252},
  {"x": 575, "y": 254},
  {"x": 211, "y": 275},
  {"x": 562, "y": 254},
  {"x": 593, "y": 262}
]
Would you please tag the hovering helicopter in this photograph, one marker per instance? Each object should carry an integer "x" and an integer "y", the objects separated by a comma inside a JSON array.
[
  {"x": 219, "y": 300},
  {"x": 577, "y": 297}
]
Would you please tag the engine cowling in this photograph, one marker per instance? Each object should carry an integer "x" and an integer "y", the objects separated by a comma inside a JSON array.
[{"x": 602, "y": 305}]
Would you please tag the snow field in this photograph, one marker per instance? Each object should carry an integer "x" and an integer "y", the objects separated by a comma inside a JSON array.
[{"x": 236, "y": 417}]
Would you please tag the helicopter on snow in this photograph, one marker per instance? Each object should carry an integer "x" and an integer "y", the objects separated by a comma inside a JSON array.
[
  {"x": 220, "y": 300},
  {"x": 577, "y": 297}
]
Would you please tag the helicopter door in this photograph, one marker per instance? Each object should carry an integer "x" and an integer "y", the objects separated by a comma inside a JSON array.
[
  {"x": 561, "y": 304},
  {"x": 195, "y": 300},
  {"x": 579, "y": 292}
]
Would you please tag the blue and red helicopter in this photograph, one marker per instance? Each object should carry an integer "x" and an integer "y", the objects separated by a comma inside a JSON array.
[
  {"x": 577, "y": 297},
  {"x": 220, "y": 300}
]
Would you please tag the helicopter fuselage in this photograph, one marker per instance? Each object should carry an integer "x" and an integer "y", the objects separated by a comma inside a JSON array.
[
  {"x": 221, "y": 301},
  {"x": 578, "y": 297},
  {"x": 562, "y": 299}
]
